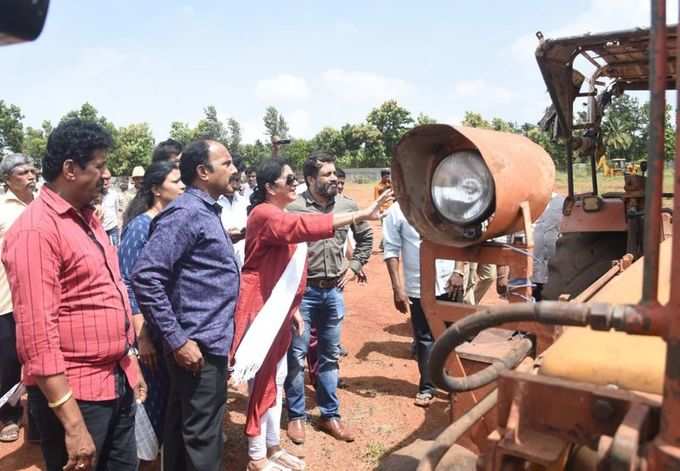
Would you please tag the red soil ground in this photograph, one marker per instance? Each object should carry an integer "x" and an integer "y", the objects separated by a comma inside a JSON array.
[{"x": 381, "y": 382}]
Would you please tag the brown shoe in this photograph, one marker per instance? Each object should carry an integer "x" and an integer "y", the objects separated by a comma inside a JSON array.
[
  {"x": 336, "y": 429},
  {"x": 296, "y": 431}
]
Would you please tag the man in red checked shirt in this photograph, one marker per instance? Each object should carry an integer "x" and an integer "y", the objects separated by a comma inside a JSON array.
[{"x": 73, "y": 320}]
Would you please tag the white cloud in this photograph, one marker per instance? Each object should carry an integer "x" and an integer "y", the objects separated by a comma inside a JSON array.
[
  {"x": 283, "y": 87},
  {"x": 364, "y": 87},
  {"x": 299, "y": 122},
  {"x": 482, "y": 89},
  {"x": 251, "y": 130}
]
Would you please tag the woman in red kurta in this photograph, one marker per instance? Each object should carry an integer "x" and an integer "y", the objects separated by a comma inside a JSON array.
[{"x": 272, "y": 236}]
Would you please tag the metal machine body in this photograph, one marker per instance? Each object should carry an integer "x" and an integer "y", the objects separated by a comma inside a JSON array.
[{"x": 552, "y": 423}]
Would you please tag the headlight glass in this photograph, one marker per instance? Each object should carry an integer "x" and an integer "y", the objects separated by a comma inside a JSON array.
[{"x": 463, "y": 188}]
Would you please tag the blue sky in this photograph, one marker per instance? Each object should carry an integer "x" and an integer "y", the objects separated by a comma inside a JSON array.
[{"x": 320, "y": 63}]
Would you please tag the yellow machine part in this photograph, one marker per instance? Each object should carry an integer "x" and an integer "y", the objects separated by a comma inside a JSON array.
[{"x": 630, "y": 362}]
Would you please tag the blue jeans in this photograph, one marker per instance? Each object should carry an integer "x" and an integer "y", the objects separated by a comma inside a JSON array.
[{"x": 326, "y": 309}]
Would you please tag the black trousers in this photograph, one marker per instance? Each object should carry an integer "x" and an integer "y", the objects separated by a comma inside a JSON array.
[
  {"x": 10, "y": 368},
  {"x": 192, "y": 439},
  {"x": 424, "y": 341},
  {"x": 110, "y": 423}
]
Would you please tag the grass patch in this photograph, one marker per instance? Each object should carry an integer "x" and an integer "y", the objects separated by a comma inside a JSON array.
[{"x": 374, "y": 451}]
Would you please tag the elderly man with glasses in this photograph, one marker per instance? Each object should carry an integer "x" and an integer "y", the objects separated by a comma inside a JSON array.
[{"x": 19, "y": 175}]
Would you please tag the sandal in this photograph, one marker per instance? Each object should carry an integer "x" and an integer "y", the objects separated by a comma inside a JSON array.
[
  {"x": 287, "y": 460},
  {"x": 424, "y": 399},
  {"x": 272, "y": 466},
  {"x": 9, "y": 433}
]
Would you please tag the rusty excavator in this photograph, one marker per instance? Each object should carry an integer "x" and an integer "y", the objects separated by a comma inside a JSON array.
[{"x": 590, "y": 379}]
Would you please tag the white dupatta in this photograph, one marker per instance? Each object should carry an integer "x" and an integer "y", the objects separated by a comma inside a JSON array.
[{"x": 261, "y": 334}]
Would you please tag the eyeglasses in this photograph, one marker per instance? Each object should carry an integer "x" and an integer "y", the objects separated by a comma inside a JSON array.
[{"x": 291, "y": 180}]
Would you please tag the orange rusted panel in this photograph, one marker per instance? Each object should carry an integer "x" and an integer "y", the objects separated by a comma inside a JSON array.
[
  {"x": 610, "y": 218},
  {"x": 521, "y": 170}
]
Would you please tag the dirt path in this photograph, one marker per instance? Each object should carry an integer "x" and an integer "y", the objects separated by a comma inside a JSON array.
[{"x": 381, "y": 382}]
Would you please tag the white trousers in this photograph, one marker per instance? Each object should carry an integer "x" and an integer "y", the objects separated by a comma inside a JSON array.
[{"x": 270, "y": 425}]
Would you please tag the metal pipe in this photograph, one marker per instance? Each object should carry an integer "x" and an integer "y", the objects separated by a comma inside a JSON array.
[
  {"x": 670, "y": 409},
  {"x": 598, "y": 316},
  {"x": 548, "y": 312},
  {"x": 654, "y": 188},
  {"x": 593, "y": 170},
  {"x": 570, "y": 165},
  {"x": 453, "y": 432}
]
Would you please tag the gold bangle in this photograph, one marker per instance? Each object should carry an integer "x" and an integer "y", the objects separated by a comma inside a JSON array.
[{"x": 60, "y": 402}]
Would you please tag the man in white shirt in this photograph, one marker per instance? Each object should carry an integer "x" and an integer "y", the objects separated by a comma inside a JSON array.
[
  {"x": 234, "y": 216},
  {"x": 546, "y": 233},
  {"x": 110, "y": 209},
  {"x": 18, "y": 172},
  {"x": 251, "y": 183},
  {"x": 402, "y": 241}
]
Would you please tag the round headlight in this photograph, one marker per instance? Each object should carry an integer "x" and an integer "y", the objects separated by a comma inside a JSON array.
[{"x": 463, "y": 188}]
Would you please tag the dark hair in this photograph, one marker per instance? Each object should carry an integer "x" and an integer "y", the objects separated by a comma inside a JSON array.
[
  {"x": 195, "y": 154},
  {"x": 166, "y": 149},
  {"x": 314, "y": 162},
  {"x": 250, "y": 169},
  {"x": 73, "y": 139},
  {"x": 155, "y": 175},
  {"x": 384, "y": 172},
  {"x": 238, "y": 162},
  {"x": 268, "y": 172},
  {"x": 340, "y": 172}
]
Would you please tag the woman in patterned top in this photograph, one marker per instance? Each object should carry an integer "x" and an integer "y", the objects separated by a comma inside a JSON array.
[{"x": 161, "y": 185}]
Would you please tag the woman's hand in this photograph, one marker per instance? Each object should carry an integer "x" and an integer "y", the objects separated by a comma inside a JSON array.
[
  {"x": 372, "y": 213},
  {"x": 298, "y": 324}
]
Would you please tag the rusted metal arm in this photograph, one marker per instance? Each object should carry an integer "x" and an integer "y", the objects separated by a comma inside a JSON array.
[{"x": 453, "y": 432}]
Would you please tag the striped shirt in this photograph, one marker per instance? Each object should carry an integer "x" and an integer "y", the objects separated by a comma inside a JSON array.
[{"x": 70, "y": 305}]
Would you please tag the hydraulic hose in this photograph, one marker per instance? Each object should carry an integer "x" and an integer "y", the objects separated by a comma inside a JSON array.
[{"x": 546, "y": 312}]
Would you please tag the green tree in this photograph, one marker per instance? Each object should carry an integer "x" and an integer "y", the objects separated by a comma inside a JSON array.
[
  {"x": 330, "y": 140},
  {"x": 235, "y": 138},
  {"x": 35, "y": 141},
  {"x": 210, "y": 127},
  {"x": 617, "y": 136},
  {"x": 275, "y": 124},
  {"x": 89, "y": 113},
  {"x": 135, "y": 144},
  {"x": 500, "y": 124},
  {"x": 424, "y": 119},
  {"x": 392, "y": 121},
  {"x": 475, "y": 120},
  {"x": 11, "y": 128},
  {"x": 363, "y": 146},
  {"x": 556, "y": 150},
  {"x": 181, "y": 132},
  {"x": 297, "y": 152},
  {"x": 255, "y": 153}
]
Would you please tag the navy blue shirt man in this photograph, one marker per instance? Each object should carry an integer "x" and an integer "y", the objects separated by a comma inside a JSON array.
[{"x": 186, "y": 282}]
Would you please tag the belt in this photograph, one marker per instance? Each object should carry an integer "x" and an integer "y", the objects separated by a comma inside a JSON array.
[{"x": 323, "y": 283}]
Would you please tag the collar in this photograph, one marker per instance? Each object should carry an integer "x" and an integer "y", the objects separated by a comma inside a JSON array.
[
  {"x": 54, "y": 201},
  {"x": 309, "y": 199},
  {"x": 10, "y": 196},
  {"x": 204, "y": 196}
]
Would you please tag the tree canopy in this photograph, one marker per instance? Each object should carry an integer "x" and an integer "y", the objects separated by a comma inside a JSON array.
[{"x": 369, "y": 143}]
